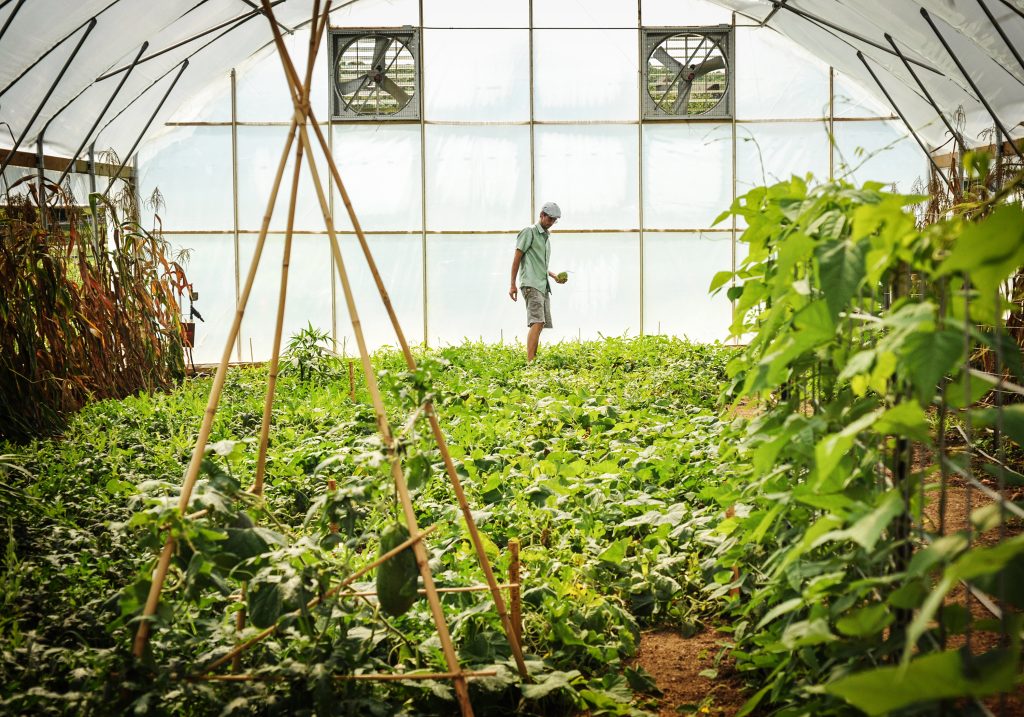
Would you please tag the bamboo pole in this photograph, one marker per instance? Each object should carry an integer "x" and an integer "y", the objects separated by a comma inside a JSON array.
[
  {"x": 421, "y": 591},
  {"x": 422, "y": 560},
  {"x": 236, "y": 664},
  {"x": 301, "y": 114},
  {"x": 192, "y": 475},
  {"x": 267, "y": 632},
  {"x": 275, "y": 357},
  {"x": 513, "y": 594},
  {"x": 332, "y": 485},
  {"x": 370, "y": 676},
  {"x": 268, "y": 404},
  {"x": 431, "y": 412}
]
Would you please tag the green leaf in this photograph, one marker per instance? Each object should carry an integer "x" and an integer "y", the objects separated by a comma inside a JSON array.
[
  {"x": 807, "y": 632},
  {"x": 265, "y": 602},
  {"x": 417, "y": 471},
  {"x": 781, "y": 609},
  {"x": 720, "y": 279},
  {"x": 866, "y": 531},
  {"x": 1009, "y": 418},
  {"x": 546, "y": 684},
  {"x": 905, "y": 419},
  {"x": 927, "y": 357},
  {"x": 615, "y": 552},
  {"x": 642, "y": 681},
  {"x": 831, "y": 448},
  {"x": 865, "y": 621},
  {"x": 988, "y": 251},
  {"x": 841, "y": 270},
  {"x": 927, "y": 679}
]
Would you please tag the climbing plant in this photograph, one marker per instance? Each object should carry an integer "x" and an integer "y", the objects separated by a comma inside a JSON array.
[{"x": 860, "y": 328}]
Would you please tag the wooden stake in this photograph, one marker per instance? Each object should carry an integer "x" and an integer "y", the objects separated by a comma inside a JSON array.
[
  {"x": 192, "y": 475},
  {"x": 301, "y": 113},
  {"x": 351, "y": 381},
  {"x": 236, "y": 664},
  {"x": 261, "y": 460},
  {"x": 513, "y": 593},
  {"x": 332, "y": 485},
  {"x": 435, "y": 426},
  {"x": 372, "y": 676}
]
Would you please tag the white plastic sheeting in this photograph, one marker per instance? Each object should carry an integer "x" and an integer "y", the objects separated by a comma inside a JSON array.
[
  {"x": 123, "y": 25},
  {"x": 858, "y": 23},
  {"x": 503, "y": 132}
]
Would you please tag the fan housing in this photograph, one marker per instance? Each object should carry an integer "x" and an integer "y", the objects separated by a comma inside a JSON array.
[
  {"x": 375, "y": 74},
  {"x": 688, "y": 73}
]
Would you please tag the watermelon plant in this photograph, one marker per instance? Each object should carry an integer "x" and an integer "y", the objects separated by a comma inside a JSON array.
[{"x": 594, "y": 460}]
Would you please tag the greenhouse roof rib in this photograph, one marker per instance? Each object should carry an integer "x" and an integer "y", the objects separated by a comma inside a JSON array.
[
  {"x": 835, "y": 30},
  {"x": 108, "y": 91}
]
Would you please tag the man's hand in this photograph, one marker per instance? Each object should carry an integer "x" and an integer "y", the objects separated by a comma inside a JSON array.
[{"x": 513, "y": 292}]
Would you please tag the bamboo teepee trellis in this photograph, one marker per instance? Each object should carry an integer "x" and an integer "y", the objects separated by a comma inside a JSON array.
[{"x": 303, "y": 116}]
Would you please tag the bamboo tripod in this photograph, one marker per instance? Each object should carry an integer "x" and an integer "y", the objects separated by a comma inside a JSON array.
[{"x": 302, "y": 116}]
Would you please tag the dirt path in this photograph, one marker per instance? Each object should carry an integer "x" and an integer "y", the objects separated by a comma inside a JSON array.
[{"x": 676, "y": 663}]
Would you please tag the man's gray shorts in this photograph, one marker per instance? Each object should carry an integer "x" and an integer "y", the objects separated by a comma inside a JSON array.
[{"x": 538, "y": 307}]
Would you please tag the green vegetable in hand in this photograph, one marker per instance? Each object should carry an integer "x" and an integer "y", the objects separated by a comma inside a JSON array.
[
  {"x": 563, "y": 276},
  {"x": 397, "y": 578}
]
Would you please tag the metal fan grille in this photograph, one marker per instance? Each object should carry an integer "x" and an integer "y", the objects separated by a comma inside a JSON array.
[
  {"x": 688, "y": 74},
  {"x": 375, "y": 75}
]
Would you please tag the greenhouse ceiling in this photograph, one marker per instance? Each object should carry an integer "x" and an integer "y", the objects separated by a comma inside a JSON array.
[{"x": 110, "y": 72}]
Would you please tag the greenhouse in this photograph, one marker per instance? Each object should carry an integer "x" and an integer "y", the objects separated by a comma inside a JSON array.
[{"x": 539, "y": 357}]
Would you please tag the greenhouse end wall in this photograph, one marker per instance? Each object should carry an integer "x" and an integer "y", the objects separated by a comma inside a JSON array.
[{"x": 538, "y": 101}]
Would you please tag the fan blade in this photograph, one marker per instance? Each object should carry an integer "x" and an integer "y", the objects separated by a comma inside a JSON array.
[
  {"x": 662, "y": 56},
  {"x": 380, "y": 48},
  {"x": 715, "y": 63},
  {"x": 389, "y": 86},
  {"x": 347, "y": 88},
  {"x": 683, "y": 99}
]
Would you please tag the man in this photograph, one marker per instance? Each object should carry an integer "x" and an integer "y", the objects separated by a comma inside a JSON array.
[{"x": 531, "y": 264}]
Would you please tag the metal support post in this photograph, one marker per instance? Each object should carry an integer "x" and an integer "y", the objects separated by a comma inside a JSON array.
[
  {"x": 974, "y": 86},
  {"x": 145, "y": 129},
  {"x": 927, "y": 152},
  {"x": 88, "y": 135},
  {"x": 49, "y": 93}
]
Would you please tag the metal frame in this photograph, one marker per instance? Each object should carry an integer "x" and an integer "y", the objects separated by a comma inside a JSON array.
[
  {"x": 339, "y": 39},
  {"x": 238, "y": 230},
  {"x": 724, "y": 36}
]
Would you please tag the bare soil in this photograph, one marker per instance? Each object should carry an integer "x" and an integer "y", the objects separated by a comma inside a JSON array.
[{"x": 676, "y": 662}]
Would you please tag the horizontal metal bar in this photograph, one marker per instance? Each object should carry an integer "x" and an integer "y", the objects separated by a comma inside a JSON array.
[
  {"x": 553, "y": 123},
  {"x": 440, "y": 232}
]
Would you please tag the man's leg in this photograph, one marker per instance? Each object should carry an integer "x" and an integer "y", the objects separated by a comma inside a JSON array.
[{"x": 532, "y": 340}]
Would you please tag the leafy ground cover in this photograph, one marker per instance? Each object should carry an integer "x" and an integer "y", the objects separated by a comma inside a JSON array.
[{"x": 594, "y": 458}]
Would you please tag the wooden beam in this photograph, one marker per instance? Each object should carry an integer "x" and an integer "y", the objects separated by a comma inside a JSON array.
[
  {"x": 945, "y": 160},
  {"x": 58, "y": 164}
]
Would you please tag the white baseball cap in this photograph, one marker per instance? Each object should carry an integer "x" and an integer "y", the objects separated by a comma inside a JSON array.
[{"x": 552, "y": 210}]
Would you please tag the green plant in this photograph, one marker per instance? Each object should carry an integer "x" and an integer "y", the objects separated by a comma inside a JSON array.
[
  {"x": 307, "y": 355},
  {"x": 594, "y": 463},
  {"x": 80, "y": 320},
  {"x": 860, "y": 330}
]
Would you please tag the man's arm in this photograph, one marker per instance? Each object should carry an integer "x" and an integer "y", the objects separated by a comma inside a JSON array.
[
  {"x": 554, "y": 276},
  {"x": 513, "y": 291}
]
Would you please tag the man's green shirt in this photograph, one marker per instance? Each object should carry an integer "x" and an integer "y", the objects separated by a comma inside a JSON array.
[{"x": 533, "y": 269}]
